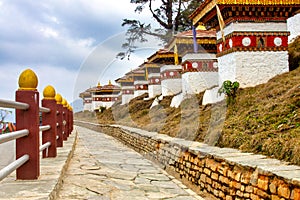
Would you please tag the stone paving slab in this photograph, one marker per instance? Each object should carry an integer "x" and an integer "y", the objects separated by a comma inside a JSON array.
[
  {"x": 49, "y": 182},
  {"x": 104, "y": 168}
]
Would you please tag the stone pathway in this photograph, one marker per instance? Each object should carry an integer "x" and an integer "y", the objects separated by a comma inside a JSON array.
[{"x": 105, "y": 169}]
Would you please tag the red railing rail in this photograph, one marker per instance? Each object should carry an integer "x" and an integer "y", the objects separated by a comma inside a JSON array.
[{"x": 56, "y": 126}]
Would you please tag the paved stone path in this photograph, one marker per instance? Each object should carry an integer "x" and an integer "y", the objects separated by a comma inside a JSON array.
[{"x": 105, "y": 169}]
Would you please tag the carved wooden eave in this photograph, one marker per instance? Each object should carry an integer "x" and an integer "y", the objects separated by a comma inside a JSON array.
[{"x": 245, "y": 10}]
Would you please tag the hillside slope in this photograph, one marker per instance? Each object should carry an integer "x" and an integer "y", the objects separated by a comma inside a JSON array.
[{"x": 264, "y": 119}]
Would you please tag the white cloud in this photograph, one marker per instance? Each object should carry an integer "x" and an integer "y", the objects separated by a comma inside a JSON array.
[
  {"x": 54, "y": 38},
  {"x": 49, "y": 32}
]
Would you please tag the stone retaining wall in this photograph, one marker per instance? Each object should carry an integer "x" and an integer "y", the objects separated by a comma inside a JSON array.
[{"x": 220, "y": 172}]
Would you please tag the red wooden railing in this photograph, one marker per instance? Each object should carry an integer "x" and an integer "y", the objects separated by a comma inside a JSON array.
[{"x": 57, "y": 125}]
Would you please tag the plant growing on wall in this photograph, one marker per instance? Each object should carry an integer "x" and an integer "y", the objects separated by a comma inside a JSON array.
[
  {"x": 229, "y": 89},
  {"x": 102, "y": 109}
]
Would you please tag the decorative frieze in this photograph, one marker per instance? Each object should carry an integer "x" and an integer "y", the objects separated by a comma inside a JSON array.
[
  {"x": 141, "y": 87},
  {"x": 253, "y": 41},
  {"x": 154, "y": 81},
  {"x": 199, "y": 66},
  {"x": 105, "y": 99},
  {"x": 170, "y": 74},
  {"x": 127, "y": 91}
]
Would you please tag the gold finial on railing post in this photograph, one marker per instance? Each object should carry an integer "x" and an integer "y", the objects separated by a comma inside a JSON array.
[
  {"x": 28, "y": 80},
  {"x": 59, "y": 108},
  {"x": 50, "y": 118},
  {"x": 28, "y": 119}
]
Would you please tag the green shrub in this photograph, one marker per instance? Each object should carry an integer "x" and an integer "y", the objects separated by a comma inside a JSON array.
[{"x": 229, "y": 89}]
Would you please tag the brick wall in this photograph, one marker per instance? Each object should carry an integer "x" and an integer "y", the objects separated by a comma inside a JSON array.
[{"x": 222, "y": 173}]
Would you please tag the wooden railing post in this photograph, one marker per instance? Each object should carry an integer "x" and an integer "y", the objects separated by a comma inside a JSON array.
[
  {"x": 64, "y": 103},
  {"x": 67, "y": 119},
  {"x": 28, "y": 119},
  {"x": 59, "y": 118},
  {"x": 50, "y": 119},
  {"x": 72, "y": 119}
]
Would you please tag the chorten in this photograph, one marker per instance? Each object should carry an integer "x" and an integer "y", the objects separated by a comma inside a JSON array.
[
  {"x": 169, "y": 71},
  {"x": 252, "y": 37},
  {"x": 127, "y": 87},
  {"x": 87, "y": 100},
  {"x": 100, "y": 96},
  {"x": 139, "y": 81},
  {"x": 152, "y": 76},
  {"x": 109, "y": 94},
  {"x": 95, "y": 94},
  {"x": 199, "y": 66}
]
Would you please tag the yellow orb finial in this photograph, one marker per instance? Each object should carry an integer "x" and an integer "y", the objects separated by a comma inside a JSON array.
[
  {"x": 64, "y": 102},
  {"x": 58, "y": 98},
  {"x": 109, "y": 82},
  {"x": 99, "y": 85},
  {"x": 49, "y": 92},
  {"x": 28, "y": 80}
]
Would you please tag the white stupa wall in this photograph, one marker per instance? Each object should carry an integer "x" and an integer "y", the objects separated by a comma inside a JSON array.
[
  {"x": 87, "y": 107},
  {"x": 176, "y": 101},
  {"x": 140, "y": 91},
  {"x": 171, "y": 87},
  {"x": 251, "y": 68},
  {"x": 127, "y": 94},
  {"x": 96, "y": 105},
  {"x": 293, "y": 25},
  {"x": 212, "y": 96},
  {"x": 126, "y": 98},
  {"x": 195, "y": 82},
  {"x": 154, "y": 90}
]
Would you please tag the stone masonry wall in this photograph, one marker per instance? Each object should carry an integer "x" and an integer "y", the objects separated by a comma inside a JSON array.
[{"x": 223, "y": 173}]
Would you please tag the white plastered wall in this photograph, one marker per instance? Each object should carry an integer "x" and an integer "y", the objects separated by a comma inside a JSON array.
[
  {"x": 293, "y": 25},
  {"x": 171, "y": 86},
  {"x": 252, "y": 68},
  {"x": 126, "y": 98},
  {"x": 195, "y": 82},
  {"x": 154, "y": 90}
]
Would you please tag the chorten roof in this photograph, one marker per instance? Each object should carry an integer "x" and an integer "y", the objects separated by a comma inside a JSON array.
[
  {"x": 85, "y": 94},
  {"x": 275, "y": 10},
  {"x": 110, "y": 88},
  {"x": 162, "y": 56},
  {"x": 124, "y": 79},
  {"x": 96, "y": 88},
  {"x": 186, "y": 37},
  {"x": 136, "y": 72}
]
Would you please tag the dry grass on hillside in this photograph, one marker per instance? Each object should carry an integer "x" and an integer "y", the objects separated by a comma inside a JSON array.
[{"x": 266, "y": 119}]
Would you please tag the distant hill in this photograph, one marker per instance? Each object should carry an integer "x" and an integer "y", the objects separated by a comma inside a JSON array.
[{"x": 77, "y": 105}]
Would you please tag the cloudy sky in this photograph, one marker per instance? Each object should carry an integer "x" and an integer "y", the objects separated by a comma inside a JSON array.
[{"x": 70, "y": 44}]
